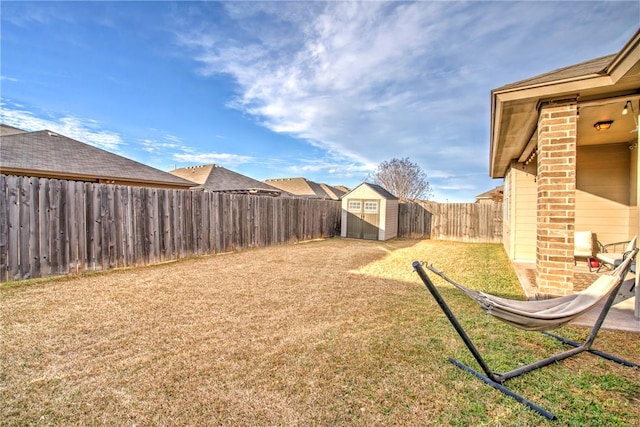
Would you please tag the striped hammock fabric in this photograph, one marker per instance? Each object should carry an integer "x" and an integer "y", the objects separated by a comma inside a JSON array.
[{"x": 548, "y": 314}]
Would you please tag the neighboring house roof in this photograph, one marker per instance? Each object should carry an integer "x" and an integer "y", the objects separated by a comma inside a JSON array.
[
  {"x": 342, "y": 188},
  {"x": 334, "y": 192},
  {"x": 303, "y": 187},
  {"x": 381, "y": 191},
  {"x": 216, "y": 178},
  {"x": 51, "y": 155},
  {"x": 495, "y": 194},
  {"x": 9, "y": 130},
  {"x": 515, "y": 107}
]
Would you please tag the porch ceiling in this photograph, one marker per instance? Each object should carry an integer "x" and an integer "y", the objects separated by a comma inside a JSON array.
[
  {"x": 622, "y": 130},
  {"x": 600, "y": 88}
]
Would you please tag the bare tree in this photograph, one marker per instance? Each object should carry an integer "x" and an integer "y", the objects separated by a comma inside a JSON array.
[{"x": 402, "y": 178}]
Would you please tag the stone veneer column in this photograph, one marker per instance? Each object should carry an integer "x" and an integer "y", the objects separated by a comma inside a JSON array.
[{"x": 556, "y": 199}]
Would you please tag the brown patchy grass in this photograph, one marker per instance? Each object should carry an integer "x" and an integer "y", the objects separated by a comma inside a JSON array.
[{"x": 336, "y": 332}]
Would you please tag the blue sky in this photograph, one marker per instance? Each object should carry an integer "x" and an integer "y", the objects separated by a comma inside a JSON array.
[{"x": 285, "y": 89}]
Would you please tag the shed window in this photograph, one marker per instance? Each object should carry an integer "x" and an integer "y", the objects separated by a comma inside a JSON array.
[
  {"x": 371, "y": 207},
  {"x": 355, "y": 205}
]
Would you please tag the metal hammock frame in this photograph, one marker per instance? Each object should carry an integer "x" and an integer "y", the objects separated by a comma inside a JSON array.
[{"x": 496, "y": 380}]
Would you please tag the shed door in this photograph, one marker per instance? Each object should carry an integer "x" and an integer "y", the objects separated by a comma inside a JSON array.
[{"x": 363, "y": 219}]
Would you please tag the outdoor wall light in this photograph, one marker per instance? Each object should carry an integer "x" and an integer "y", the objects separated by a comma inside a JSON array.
[
  {"x": 625, "y": 110},
  {"x": 603, "y": 125}
]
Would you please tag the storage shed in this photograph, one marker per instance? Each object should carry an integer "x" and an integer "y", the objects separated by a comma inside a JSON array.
[{"x": 369, "y": 212}]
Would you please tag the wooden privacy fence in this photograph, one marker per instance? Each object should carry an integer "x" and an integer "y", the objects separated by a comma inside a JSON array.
[
  {"x": 51, "y": 227},
  {"x": 465, "y": 222}
]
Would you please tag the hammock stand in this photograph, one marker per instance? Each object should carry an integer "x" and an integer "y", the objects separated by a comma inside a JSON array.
[{"x": 496, "y": 380}]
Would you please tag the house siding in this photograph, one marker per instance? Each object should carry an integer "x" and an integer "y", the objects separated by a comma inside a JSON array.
[
  {"x": 603, "y": 191},
  {"x": 634, "y": 222},
  {"x": 633, "y": 196},
  {"x": 508, "y": 211},
  {"x": 523, "y": 218}
]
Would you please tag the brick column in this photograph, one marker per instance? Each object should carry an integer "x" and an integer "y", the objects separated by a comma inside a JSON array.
[{"x": 556, "y": 199}]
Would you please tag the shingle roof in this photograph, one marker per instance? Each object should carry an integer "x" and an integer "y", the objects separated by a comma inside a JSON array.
[
  {"x": 295, "y": 186},
  {"x": 318, "y": 190},
  {"x": 594, "y": 66},
  {"x": 219, "y": 179},
  {"x": 334, "y": 192},
  {"x": 303, "y": 187},
  {"x": 45, "y": 153},
  {"x": 9, "y": 130},
  {"x": 382, "y": 191},
  {"x": 493, "y": 193}
]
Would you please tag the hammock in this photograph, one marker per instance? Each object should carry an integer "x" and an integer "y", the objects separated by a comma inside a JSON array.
[
  {"x": 549, "y": 314},
  {"x": 539, "y": 315}
]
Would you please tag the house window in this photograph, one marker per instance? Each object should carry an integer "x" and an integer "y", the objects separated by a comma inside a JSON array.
[
  {"x": 371, "y": 207},
  {"x": 355, "y": 205}
]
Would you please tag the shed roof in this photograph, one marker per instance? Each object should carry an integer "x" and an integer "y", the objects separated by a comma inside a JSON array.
[
  {"x": 216, "y": 178},
  {"x": 381, "y": 191},
  {"x": 48, "y": 154}
]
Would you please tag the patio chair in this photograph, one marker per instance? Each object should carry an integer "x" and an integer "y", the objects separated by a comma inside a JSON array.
[
  {"x": 584, "y": 244},
  {"x": 541, "y": 315},
  {"x": 611, "y": 255}
]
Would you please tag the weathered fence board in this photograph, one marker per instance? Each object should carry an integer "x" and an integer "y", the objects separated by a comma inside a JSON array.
[
  {"x": 25, "y": 233},
  {"x": 51, "y": 227},
  {"x": 466, "y": 222},
  {"x": 4, "y": 231}
]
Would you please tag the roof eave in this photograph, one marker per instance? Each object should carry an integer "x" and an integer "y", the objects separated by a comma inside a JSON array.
[
  {"x": 89, "y": 178},
  {"x": 628, "y": 56},
  {"x": 554, "y": 88},
  {"x": 619, "y": 66},
  {"x": 535, "y": 93}
]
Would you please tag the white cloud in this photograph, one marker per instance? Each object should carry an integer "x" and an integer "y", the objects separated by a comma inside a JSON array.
[
  {"x": 335, "y": 167},
  {"x": 173, "y": 138},
  {"x": 164, "y": 143},
  {"x": 85, "y": 130},
  {"x": 360, "y": 79},
  {"x": 224, "y": 159},
  {"x": 370, "y": 81},
  {"x": 152, "y": 146}
]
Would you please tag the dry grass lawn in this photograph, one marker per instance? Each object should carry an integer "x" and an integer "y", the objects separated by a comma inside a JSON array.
[{"x": 335, "y": 332}]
